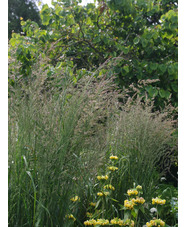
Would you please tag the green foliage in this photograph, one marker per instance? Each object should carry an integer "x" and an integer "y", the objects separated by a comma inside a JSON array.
[
  {"x": 17, "y": 9},
  {"x": 142, "y": 33}
]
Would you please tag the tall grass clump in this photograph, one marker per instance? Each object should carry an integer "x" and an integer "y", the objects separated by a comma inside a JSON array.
[
  {"x": 142, "y": 138},
  {"x": 61, "y": 135},
  {"x": 56, "y": 144}
]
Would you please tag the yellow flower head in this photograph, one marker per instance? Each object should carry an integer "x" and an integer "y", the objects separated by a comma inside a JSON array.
[
  {"x": 100, "y": 194},
  {"x": 21, "y": 18},
  {"x": 76, "y": 198},
  {"x": 90, "y": 222},
  {"x": 70, "y": 216},
  {"x": 102, "y": 222},
  {"x": 89, "y": 214},
  {"x": 129, "y": 204},
  {"x": 92, "y": 204},
  {"x": 138, "y": 200},
  {"x": 155, "y": 222},
  {"x": 97, "y": 222},
  {"x": 158, "y": 201},
  {"x": 112, "y": 168},
  {"x": 112, "y": 157},
  {"x": 102, "y": 177},
  {"x": 139, "y": 187},
  {"x": 117, "y": 221},
  {"x": 109, "y": 186},
  {"x": 132, "y": 192}
]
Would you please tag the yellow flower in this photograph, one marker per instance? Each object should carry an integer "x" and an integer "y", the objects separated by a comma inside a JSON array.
[
  {"x": 100, "y": 194},
  {"x": 158, "y": 201},
  {"x": 139, "y": 187},
  {"x": 102, "y": 177},
  {"x": 139, "y": 200},
  {"x": 129, "y": 204},
  {"x": 106, "y": 193},
  {"x": 112, "y": 157},
  {"x": 112, "y": 168},
  {"x": 102, "y": 222},
  {"x": 89, "y": 214},
  {"x": 132, "y": 192},
  {"x": 21, "y": 18},
  {"x": 162, "y": 223},
  {"x": 98, "y": 222},
  {"x": 155, "y": 222},
  {"x": 92, "y": 204},
  {"x": 117, "y": 221},
  {"x": 76, "y": 198},
  {"x": 109, "y": 186},
  {"x": 70, "y": 216},
  {"x": 90, "y": 222}
]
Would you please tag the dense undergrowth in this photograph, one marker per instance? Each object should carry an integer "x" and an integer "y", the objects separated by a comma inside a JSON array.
[
  {"x": 93, "y": 116},
  {"x": 61, "y": 139}
]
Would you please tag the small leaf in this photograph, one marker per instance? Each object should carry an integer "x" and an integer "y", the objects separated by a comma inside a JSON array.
[
  {"x": 153, "y": 66},
  {"x": 126, "y": 68},
  {"x": 152, "y": 91},
  {"x": 125, "y": 50},
  {"x": 171, "y": 70},
  {"x": 144, "y": 42},
  {"x": 114, "y": 200},
  {"x": 142, "y": 209},
  {"x": 134, "y": 213},
  {"x": 162, "y": 68},
  {"x": 59, "y": 64},
  {"x": 174, "y": 87},
  {"x": 136, "y": 40},
  {"x": 97, "y": 204}
]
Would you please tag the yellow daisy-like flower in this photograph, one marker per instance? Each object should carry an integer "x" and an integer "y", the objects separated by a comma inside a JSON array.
[
  {"x": 112, "y": 157},
  {"x": 132, "y": 192},
  {"x": 158, "y": 201},
  {"x": 21, "y": 18},
  {"x": 76, "y": 198}
]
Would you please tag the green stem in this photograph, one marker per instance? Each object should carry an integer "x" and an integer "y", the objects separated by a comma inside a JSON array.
[{"x": 103, "y": 207}]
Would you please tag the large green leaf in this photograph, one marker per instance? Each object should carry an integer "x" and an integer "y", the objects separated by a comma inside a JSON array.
[{"x": 164, "y": 94}]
